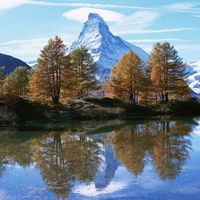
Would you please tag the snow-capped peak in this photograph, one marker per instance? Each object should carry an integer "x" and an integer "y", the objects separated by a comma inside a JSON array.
[
  {"x": 96, "y": 21},
  {"x": 105, "y": 48},
  {"x": 91, "y": 35}
]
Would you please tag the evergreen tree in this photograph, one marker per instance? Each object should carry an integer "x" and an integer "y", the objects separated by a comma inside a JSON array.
[
  {"x": 180, "y": 90},
  {"x": 47, "y": 80},
  {"x": 167, "y": 71},
  {"x": 85, "y": 70},
  {"x": 125, "y": 78},
  {"x": 17, "y": 82},
  {"x": 1, "y": 78}
]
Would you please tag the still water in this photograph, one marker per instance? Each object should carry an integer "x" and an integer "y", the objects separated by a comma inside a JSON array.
[{"x": 140, "y": 159}]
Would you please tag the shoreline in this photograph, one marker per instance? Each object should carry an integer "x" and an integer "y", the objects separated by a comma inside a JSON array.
[{"x": 24, "y": 111}]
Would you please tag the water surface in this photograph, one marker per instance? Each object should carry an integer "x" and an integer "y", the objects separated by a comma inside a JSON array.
[{"x": 137, "y": 159}]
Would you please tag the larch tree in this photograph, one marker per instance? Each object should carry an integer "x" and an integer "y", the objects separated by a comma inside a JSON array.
[
  {"x": 146, "y": 96},
  {"x": 125, "y": 78},
  {"x": 167, "y": 71},
  {"x": 85, "y": 71},
  {"x": 69, "y": 83},
  {"x": 115, "y": 89},
  {"x": 17, "y": 82},
  {"x": 48, "y": 79}
]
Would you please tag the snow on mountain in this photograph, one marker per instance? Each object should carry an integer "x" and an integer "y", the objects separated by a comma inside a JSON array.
[
  {"x": 195, "y": 65},
  {"x": 194, "y": 78},
  {"x": 32, "y": 64},
  {"x": 105, "y": 48}
]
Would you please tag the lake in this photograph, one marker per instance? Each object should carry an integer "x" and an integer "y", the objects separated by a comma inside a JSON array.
[{"x": 140, "y": 159}]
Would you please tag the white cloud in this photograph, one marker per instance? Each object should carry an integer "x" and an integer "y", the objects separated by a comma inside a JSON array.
[
  {"x": 181, "y": 6},
  {"x": 147, "y": 31},
  {"x": 107, "y": 15},
  {"x": 186, "y": 7},
  {"x": 89, "y": 5},
  {"x": 146, "y": 18},
  {"x": 8, "y": 4},
  {"x": 196, "y": 130},
  {"x": 92, "y": 191},
  {"x": 31, "y": 42},
  {"x": 156, "y": 40},
  {"x": 30, "y": 49},
  {"x": 137, "y": 21}
]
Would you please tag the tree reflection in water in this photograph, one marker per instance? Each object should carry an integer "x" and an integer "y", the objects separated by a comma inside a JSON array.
[
  {"x": 14, "y": 149},
  {"x": 130, "y": 148},
  {"x": 165, "y": 143},
  {"x": 171, "y": 148},
  {"x": 63, "y": 158},
  {"x": 66, "y": 157}
]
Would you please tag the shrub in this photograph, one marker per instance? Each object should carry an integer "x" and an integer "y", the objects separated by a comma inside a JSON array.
[
  {"x": 103, "y": 101},
  {"x": 7, "y": 115},
  {"x": 188, "y": 106}
]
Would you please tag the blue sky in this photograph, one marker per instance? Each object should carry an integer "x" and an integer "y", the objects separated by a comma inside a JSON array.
[{"x": 27, "y": 25}]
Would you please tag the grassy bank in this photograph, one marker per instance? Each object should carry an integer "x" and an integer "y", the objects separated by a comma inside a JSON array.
[{"x": 23, "y": 110}]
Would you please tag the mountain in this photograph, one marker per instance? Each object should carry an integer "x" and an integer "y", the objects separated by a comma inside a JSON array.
[
  {"x": 32, "y": 64},
  {"x": 11, "y": 63},
  {"x": 105, "y": 48},
  {"x": 194, "y": 78},
  {"x": 106, "y": 169}
]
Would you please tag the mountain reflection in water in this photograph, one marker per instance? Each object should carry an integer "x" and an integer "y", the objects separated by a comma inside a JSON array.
[{"x": 93, "y": 158}]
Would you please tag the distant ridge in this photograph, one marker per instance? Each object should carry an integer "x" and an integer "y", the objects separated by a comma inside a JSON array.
[{"x": 11, "y": 63}]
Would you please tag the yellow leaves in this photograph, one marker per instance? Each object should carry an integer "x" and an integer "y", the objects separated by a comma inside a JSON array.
[
  {"x": 37, "y": 85},
  {"x": 53, "y": 74},
  {"x": 125, "y": 77},
  {"x": 166, "y": 67}
]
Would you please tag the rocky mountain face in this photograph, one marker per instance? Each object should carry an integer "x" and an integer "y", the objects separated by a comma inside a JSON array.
[
  {"x": 10, "y": 63},
  {"x": 105, "y": 48},
  {"x": 194, "y": 78}
]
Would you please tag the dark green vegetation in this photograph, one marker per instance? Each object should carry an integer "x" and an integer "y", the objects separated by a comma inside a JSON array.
[{"x": 23, "y": 110}]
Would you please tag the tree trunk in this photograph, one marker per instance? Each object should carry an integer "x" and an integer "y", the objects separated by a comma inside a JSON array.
[
  {"x": 131, "y": 98},
  {"x": 56, "y": 99},
  {"x": 162, "y": 96},
  {"x": 166, "y": 97}
]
